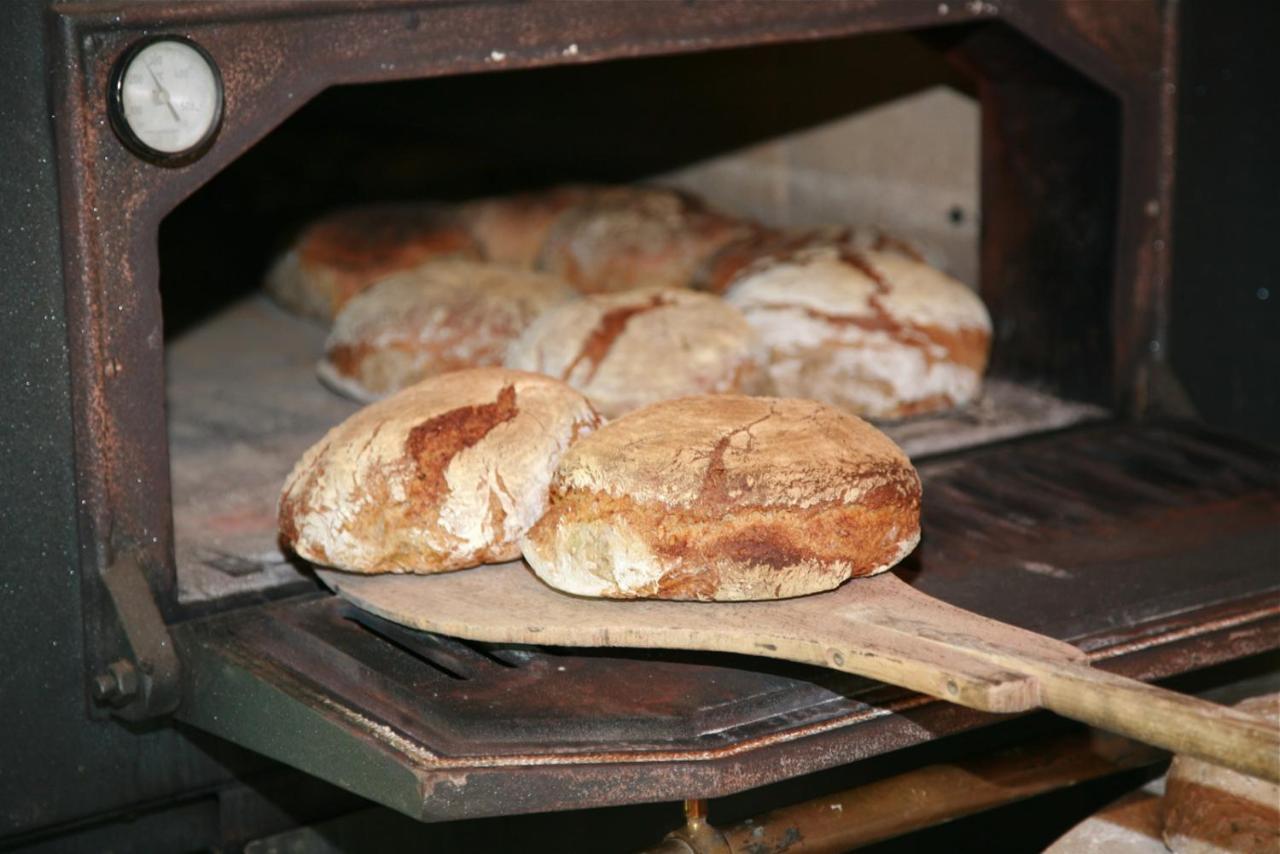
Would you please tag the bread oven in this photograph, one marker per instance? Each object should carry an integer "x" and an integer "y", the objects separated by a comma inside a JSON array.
[{"x": 1071, "y": 502}]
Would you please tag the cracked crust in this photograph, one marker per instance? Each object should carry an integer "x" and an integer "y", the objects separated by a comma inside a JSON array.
[
  {"x": 636, "y": 237},
  {"x": 444, "y": 316},
  {"x": 1208, "y": 808},
  {"x": 627, "y": 350},
  {"x": 343, "y": 253},
  {"x": 447, "y": 474},
  {"x": 770, "y": 245},
  {"x": 874, "y": 332},
  {"x": 726, "y": 498}
]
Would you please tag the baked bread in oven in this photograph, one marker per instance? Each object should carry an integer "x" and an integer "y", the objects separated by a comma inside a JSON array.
[
  {"x": 762, "y": 245},
  {"x": 726, "y": 498},
  {"x": 443, "y": 316},
  {"x": 632, "y": 237},
  {"x": 446, "y": 474},
  {"x": 627, "y": 350},
  {"x": 340, "y": 255},
  {"x": 873, "y": 332},
  {"x": 512, "y": 229},
  {"x": 1210, "y": 809}
]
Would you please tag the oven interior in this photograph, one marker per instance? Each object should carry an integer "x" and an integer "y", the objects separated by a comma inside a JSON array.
[
  {"x": 1060, "y": 503},
  {"x": 900, "y": 152}
]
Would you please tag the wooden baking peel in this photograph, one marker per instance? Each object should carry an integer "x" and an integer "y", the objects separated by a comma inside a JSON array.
[{"x": 876, "y": 627}]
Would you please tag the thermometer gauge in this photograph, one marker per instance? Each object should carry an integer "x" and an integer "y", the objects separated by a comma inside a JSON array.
[{"x": 166, "y": 99}]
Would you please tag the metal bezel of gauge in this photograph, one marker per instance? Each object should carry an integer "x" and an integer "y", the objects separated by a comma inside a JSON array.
[{"x": 120, "y": 122}]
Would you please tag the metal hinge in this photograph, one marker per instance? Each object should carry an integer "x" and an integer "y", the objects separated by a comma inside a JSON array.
[{"x": 144, "y": 682}]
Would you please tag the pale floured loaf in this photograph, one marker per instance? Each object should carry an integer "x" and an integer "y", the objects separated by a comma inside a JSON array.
[
  {"x": 627, "y": 350},
  {"x": 1209, "y": 809},
  {"x": 726, "y": 498},
  {"x": 343, "y": 253},
  {"x": 764, "y": 245},
  {"x": 623, "y": 238},
  {"x": 443, "y": 316},
  {"x": 512, "y": 229},
  {"x": 446, "y": 474},
  {"x": 874, "y": 332}
]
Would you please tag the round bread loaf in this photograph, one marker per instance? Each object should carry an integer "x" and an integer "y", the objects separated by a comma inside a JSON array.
[
  {"x": 512, "y": 229},
  {"x": 444, "y": 316},
  {"x": 628, "y": 350},
  {"x": 876, "y": 333},
  {"x": 447, "y": 474},
  {"x": 342, "y": 254},
  {"x": 726, "y": 498},
  {"x": 763, "y": 245},
  {"x": 623, "y": 238},
  {"x": 1209, "y": 809}
]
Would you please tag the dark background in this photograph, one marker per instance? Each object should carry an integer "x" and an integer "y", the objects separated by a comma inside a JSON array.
[{"x": 1224, "y": 335}]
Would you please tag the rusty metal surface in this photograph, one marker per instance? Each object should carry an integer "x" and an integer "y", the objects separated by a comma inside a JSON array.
[{"x": 1152, "y": 547}]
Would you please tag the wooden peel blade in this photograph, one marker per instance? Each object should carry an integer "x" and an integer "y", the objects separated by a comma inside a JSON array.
[{"x": 877, "y": 627}]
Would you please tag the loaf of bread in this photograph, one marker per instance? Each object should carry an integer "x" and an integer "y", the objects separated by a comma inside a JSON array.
[
  {"x": 623, "y": 238},
  {"x": 344, "y": 253},
  {"x": 443, "y": 316},
  {"x": 512, "y": 229},
  {"x": 726, "y": 498},
  {"x": 764, "y": 245},
  {"x": 446, "y": 474},
  {"x": 627, "y": 350},
  {"x": 873, "y": 332},
  {"x": 1209, "y": 809}
]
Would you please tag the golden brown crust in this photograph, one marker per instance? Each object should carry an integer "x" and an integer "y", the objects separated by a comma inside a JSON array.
[
  {"x": 443, "y": 316},
  {"x": 447, "y": 474},
  {"x": 626, "y": 238},
  {"x": 726, "y": 498},
  {"x": 345, "y": 252},
  {"x": 512, "y": 229}
]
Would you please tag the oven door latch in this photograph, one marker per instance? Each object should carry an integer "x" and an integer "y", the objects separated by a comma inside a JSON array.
[{"x": 145, "y": 683}]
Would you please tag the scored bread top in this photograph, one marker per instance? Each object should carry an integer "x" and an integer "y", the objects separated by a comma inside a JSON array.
[
  {"x": 731, "y": 451},
  {"x": 875, "y": 332},
  {"x": 630, "y": 349},
  {"x": 839, "y": 283},
  {"x": 764, "y": 246},
  {"x": 446, "y": 474},
  {"x": 443, "y": 316}
]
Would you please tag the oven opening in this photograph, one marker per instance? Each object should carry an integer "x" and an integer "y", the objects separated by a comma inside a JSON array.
[
  {"x": 887, "y": 134},
  {"x": 1148, "y": 545}
]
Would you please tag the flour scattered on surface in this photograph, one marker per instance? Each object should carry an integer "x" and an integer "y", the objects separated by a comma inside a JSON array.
[{"x": 1046, "y": 569}]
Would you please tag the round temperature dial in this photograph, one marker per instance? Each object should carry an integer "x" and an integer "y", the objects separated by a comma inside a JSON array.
[{"x": 166, "y": 99}]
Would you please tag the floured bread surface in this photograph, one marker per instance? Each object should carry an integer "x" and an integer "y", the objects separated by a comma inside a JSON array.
[
  {"x": 624, "y": 238},
  {"x": 726, "y": 498},
  {"x": 444, "y": 316},
  {"x": 447, "y": 474},
  {"x": 1210, "y": 809},
  {"x": 627, "y": 350},
  {"x": 874, "y": 332},
  {"x": 342, "y": 254},
  {"x": 770, "y": 245},
  {"x": 512, "y": 229}
]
